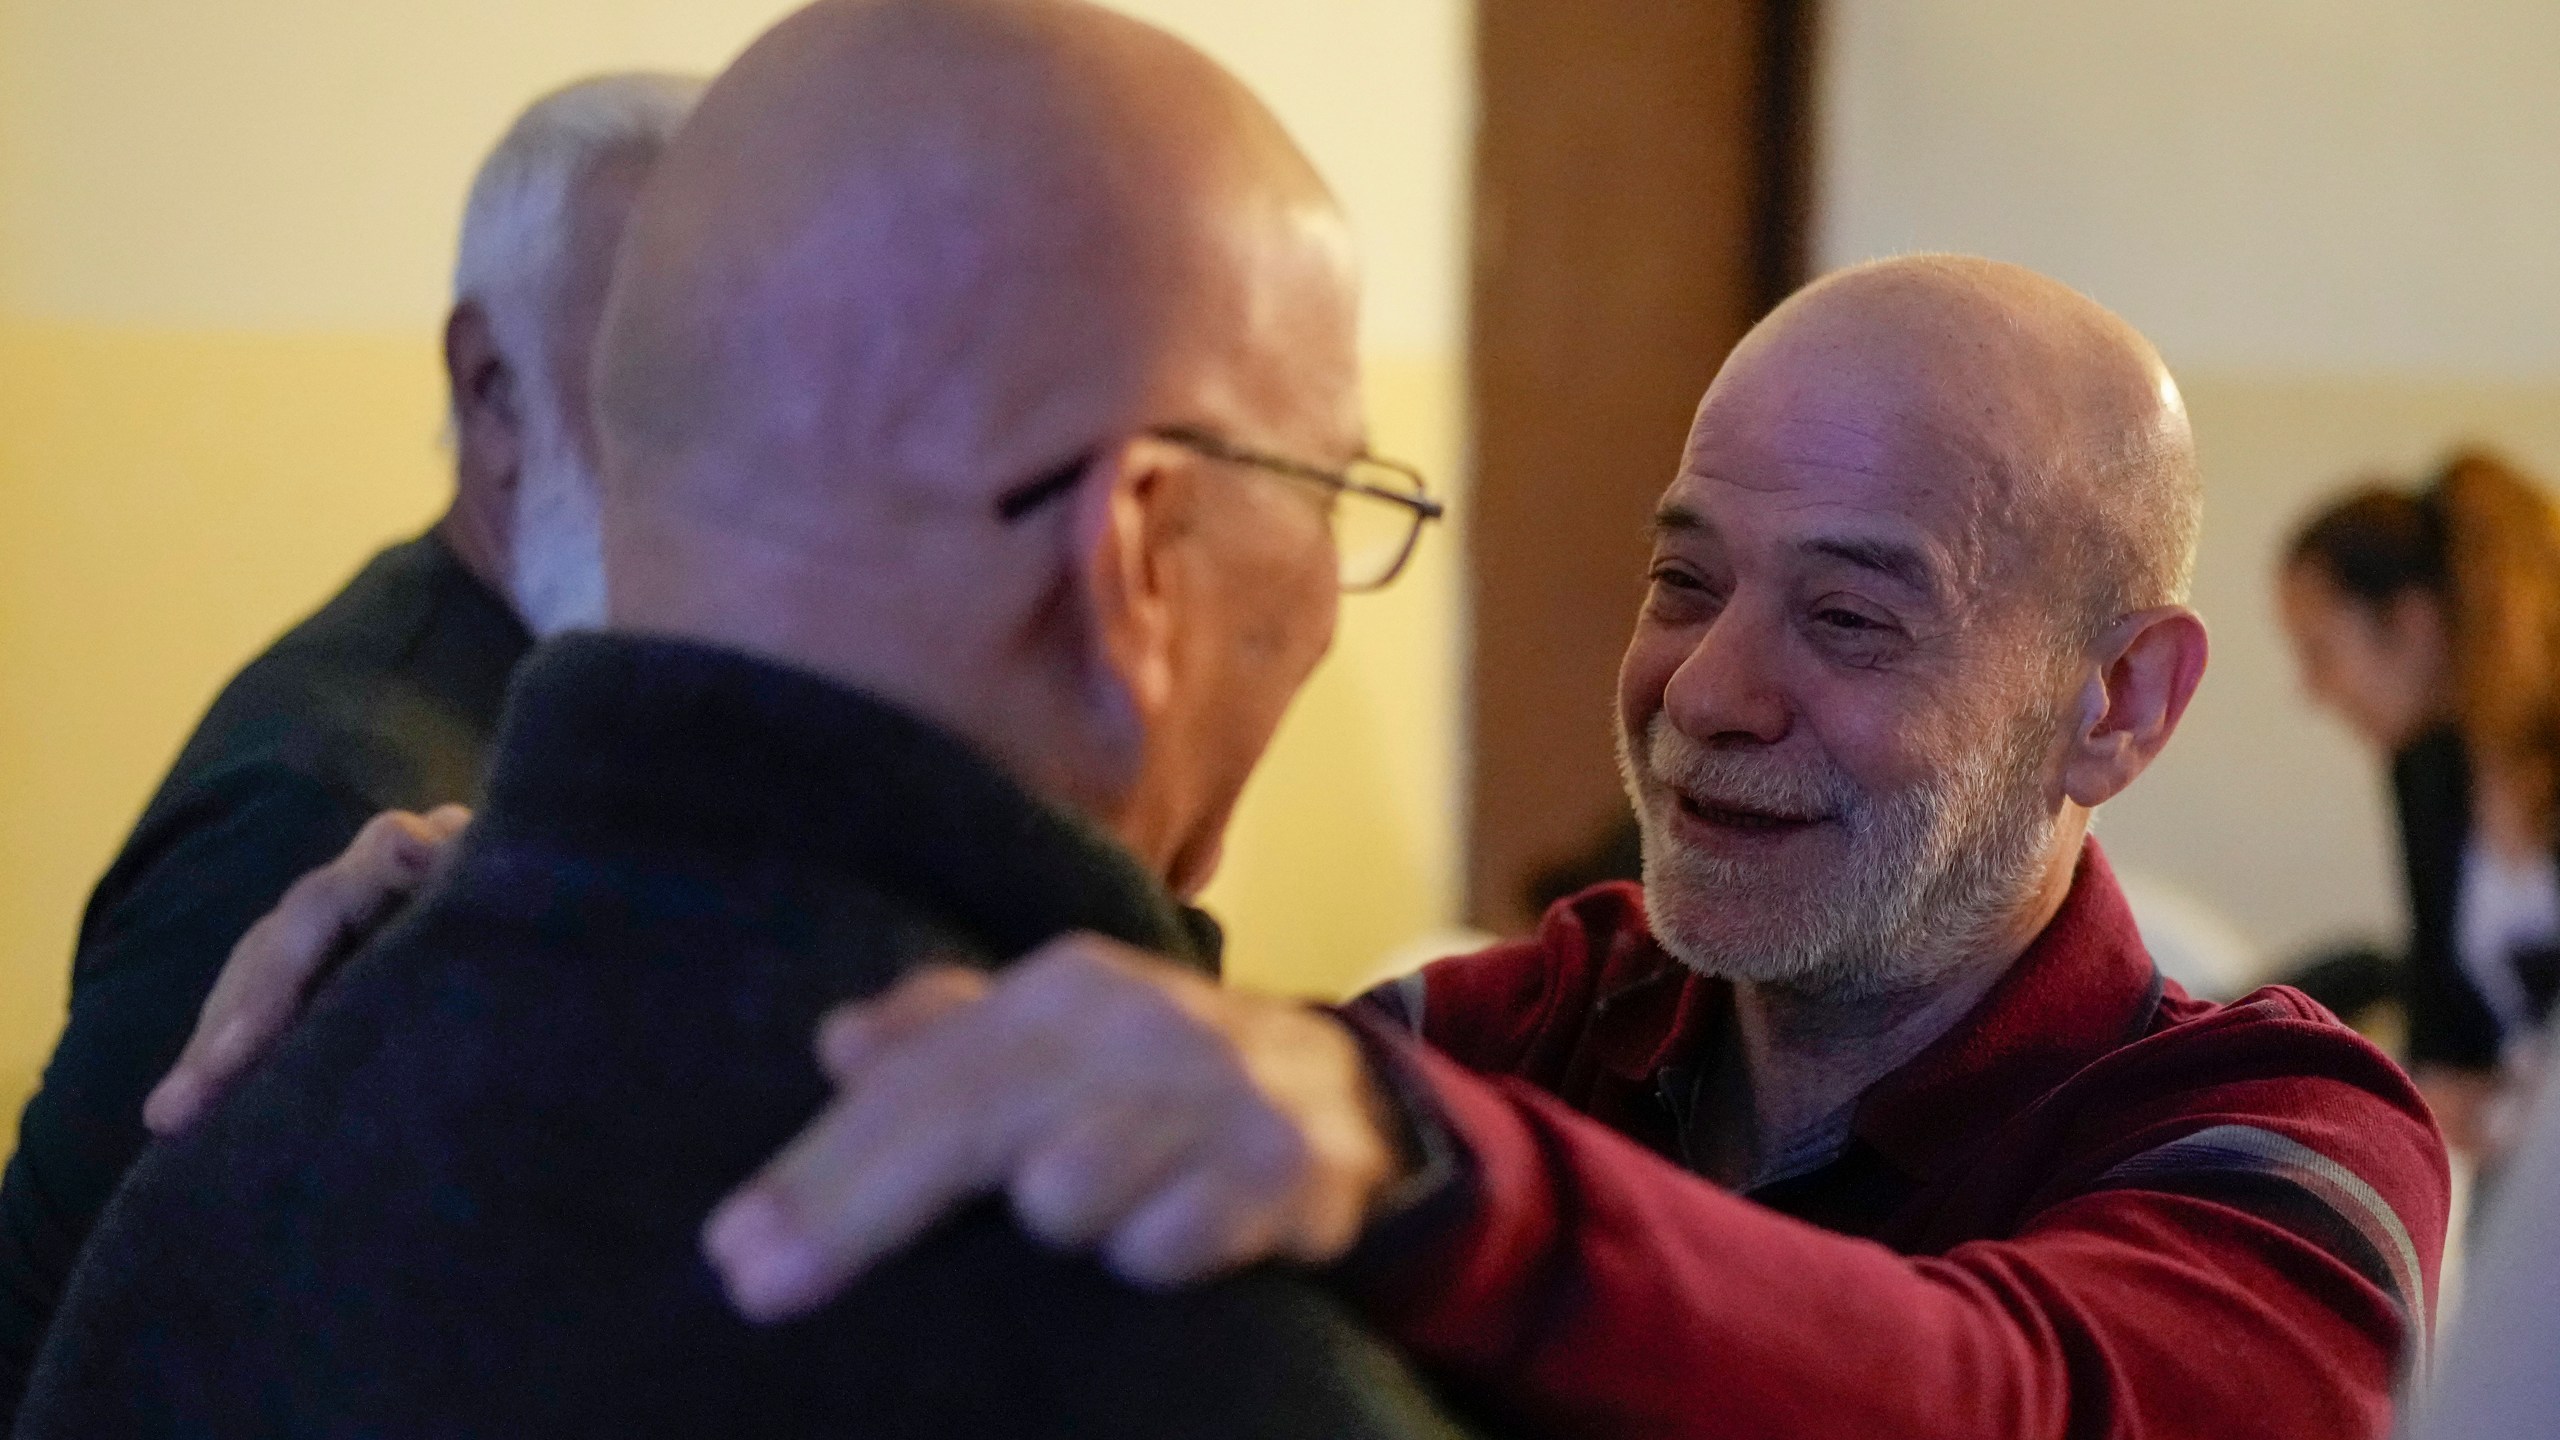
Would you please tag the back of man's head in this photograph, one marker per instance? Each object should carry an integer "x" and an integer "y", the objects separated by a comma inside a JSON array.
[
  {"x": 518, "y": 226},
  {"x": 912, "y": 253},
  {"x": 539, "y": 231}
]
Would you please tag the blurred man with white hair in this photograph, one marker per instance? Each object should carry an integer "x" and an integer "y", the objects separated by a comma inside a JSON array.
[{"x": 388, "y": 696}]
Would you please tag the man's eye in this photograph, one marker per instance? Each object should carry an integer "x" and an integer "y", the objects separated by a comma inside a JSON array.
[
  {"x": 1847, "y": 620},
  {"x": 1855, "y": 637},
  {"x": 1678, "y": 596}
]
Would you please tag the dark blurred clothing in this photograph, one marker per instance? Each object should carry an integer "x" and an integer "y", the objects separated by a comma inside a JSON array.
[
  {"x": 2451, "y": 1023},
  {"x": 1616, "y": 852},
  {"x": 2096, "y": 1206},
  {"x": 386, "y": 698},
  {"x": 2364, "y": 985},
  {"x": 464, "y": 1196}
]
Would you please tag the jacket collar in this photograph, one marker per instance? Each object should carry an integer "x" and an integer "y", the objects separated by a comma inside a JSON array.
[
  {"x": 616, "y": 744},
  {"x": 464, "y": 638},
  {"x": 2084, "y": 987}
]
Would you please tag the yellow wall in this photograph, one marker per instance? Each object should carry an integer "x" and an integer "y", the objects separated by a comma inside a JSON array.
[
  {"x": 1347, "y": 845},
  {"x": 223, "y": 231},
  {"x": 168, "y": 502}
]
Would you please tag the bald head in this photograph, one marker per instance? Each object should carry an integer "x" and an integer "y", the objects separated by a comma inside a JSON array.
[
  {"x": 1912, "y": 618},
  {"x": 930, "y": 358},
  {"x": 910, "y": 248},
  {"x": 2044, "y": 419}
]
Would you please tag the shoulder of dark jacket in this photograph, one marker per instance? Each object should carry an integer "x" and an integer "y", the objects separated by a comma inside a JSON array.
[{"x": 390, "y": 691}]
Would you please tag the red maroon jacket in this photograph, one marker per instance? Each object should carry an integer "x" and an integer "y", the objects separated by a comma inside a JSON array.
[{"x": 2097, "y": 1207}]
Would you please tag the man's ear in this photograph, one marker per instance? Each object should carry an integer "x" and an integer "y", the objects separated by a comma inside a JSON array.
[
  {"x": 488, "y": 428},
  {"x": 2149, "y": 664},
  {"x": 1121, "y": 528}
]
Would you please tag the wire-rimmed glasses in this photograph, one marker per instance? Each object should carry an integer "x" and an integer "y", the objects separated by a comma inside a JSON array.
[{"x": 1378, "y": 508}]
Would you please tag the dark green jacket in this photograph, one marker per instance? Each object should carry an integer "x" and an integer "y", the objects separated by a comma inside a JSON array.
[{"x": 386, "y": 698}]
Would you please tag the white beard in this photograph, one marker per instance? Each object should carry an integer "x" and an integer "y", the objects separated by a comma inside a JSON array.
[
  {"x": 1930, "y": 875},
  {"x": 555, "y": 566}
]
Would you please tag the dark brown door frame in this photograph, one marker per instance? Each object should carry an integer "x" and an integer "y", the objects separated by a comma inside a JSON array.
[{"x": 1642, "y": 196}]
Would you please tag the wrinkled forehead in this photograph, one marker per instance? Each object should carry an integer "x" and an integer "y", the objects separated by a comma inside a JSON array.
[{"x": 1775, "y": 463}]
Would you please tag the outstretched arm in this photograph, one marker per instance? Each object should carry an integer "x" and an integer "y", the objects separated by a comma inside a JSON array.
[
  {"x": 1571, "y": 1281},
  {"x": 1580, "y": 1284}
]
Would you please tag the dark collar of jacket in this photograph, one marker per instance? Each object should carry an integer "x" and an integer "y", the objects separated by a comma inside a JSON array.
[
  {"x": 616, "y": 744},
  {"x": 2084, "y": 987},
  {"x": 463, "y": 638}
]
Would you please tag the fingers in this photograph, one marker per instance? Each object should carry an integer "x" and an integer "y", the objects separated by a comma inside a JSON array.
[
  {"x": 924, "y": 1133},
  {"x": 945, "y": 1086},
  {"x": 441, "y": 825},
  {"x": 1121, "y": 1103},
  {"x": 1207, "y": 1224},
  {"x": 878, "y": 1166},
  {"x": 1071, "y": 1191},
  {"x": 1259, "y": 1193},
  {"x": 852, "y": 1035},
  {"x": 264, "y": 982}
]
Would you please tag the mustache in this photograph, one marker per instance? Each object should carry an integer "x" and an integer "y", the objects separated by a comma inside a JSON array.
[{"x": 1739, "y": 781}]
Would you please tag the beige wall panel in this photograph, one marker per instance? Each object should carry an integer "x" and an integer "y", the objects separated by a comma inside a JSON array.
[
  {"x": 2263, "y": 806},
  {"x": 2286, "y": 186},
  {"x": 168, "y": 504}
]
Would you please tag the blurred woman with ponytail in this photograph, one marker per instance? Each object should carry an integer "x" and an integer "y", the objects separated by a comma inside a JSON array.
[{"x": 2429, "y": 620}]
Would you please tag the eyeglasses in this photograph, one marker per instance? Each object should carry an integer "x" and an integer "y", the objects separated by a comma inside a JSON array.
[{"x": 1377, "y": 507}]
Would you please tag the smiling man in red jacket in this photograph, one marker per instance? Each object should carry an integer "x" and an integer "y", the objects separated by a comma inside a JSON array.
[{"x": 1869, "y": 1115}]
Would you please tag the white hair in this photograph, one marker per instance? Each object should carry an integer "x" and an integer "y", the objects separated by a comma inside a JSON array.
[
  {"x": 516, "y": 230},
  {"x": 515, "y": 227}
]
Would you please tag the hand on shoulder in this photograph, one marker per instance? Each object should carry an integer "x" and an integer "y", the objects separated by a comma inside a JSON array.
[
  {"x": 270, "y": 974},
  {"x": 1125, "y": 1105}
]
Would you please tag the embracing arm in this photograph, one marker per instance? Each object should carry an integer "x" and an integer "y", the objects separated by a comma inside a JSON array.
[
  {"x": 1582, "y": 1284},
  {"x": 321, "y": 917},
  {"x": 1573, "y": 1282}
]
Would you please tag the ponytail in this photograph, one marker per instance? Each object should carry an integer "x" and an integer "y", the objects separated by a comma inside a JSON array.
[{"x": 2501, "y": 547}]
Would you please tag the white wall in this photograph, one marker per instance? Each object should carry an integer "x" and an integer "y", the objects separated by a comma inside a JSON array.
[
  {"x": 2291, "y": 186},
  {"x": 2340, "y": 219}
]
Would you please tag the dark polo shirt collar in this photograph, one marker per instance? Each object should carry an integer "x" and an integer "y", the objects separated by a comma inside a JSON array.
[
  {"x": 617, "y": 743},
  {"x": 2084, "y": 987}
]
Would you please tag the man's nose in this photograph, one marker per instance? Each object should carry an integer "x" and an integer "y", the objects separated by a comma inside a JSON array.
[{"x": 1729, "y": 687}]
